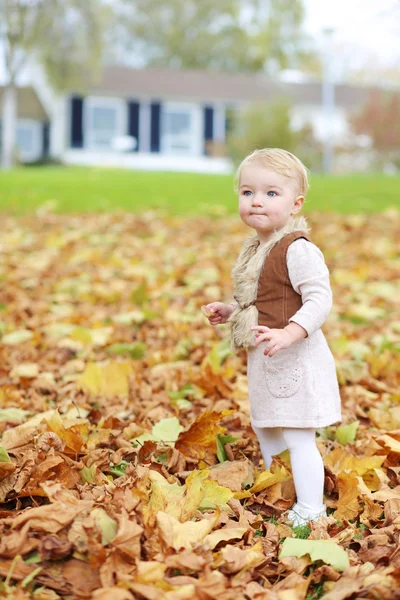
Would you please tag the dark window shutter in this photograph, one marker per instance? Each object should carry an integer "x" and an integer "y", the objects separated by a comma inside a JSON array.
[
  {"x": 76, "y": 122},
  {"x": 46, "y": 139},
  {"x": 208, "y": 126},
  {"x": 133, "y": 121},
  {"x": 155, "y": 111}
]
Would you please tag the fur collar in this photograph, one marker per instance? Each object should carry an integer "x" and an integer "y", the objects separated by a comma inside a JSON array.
[{"x": 245, "y": 275}]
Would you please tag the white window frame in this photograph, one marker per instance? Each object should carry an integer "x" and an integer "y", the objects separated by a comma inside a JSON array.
[
  {"x": 119, "y": 104},
  {"x": 197, "y": 134},
  {"x": 35, "y": 153}
]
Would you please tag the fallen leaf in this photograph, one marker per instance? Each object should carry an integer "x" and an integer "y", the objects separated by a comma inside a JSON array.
[{"x": 324, "y": 550}]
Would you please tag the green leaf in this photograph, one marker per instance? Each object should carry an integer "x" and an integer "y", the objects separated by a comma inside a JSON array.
[
  {"x": 166, "y": 430},
  {"x": 140, "y": 295},
  {"x": 33, "y": 558},
  {"x": 347, "y": 433},
  {"x": 30, "y": 577},
  {"x": 327, "y": 551},
  {"x": 17, "y": 337},
  {"x": 162, "y": 458},
  {"x": 88, "y": 474},
  {"x": 182, "y": 349},
  {"x": 227, "y": 439},
  {"x": 221, "y": 441},
  {"x": 13, "y": 414},
  {"x": 221, "y": 452},
  {"x": 108, "y": 526},
  {"x": 187, "y": 390},
  {"x": 4, "y": 455},
  {"x": 134, "y": 350},
  {"x": 120, "y": 469},
  {"x": 218, "y": 354},
  {"x": 179, "y": 398}
]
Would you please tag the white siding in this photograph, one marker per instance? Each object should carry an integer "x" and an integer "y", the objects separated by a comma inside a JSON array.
[{"x": 336, "y": 126}]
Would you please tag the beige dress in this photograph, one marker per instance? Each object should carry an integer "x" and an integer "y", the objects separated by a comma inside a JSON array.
[{"x": 298, "y": 387}]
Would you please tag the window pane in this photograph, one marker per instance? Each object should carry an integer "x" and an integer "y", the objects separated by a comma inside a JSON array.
[
  {"x": 178, "y": 123},
  {"x": 25, "y": 139},
  {"x": 178, "y": 130},
  {"x": 104, "y": 118},
  {"x": 103, "y": 126}
]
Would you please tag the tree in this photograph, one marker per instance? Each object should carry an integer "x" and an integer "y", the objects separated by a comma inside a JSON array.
[
  {"x": 226, "y": 35},
  {"x": 268, "y": 125},
  {"x": 379, "y": 118},
  {"x": 64, "y": 36}
]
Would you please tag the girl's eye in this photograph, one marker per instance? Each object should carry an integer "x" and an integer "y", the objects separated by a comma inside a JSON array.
[
  {"x": 271, "y": 192},
  {"x": 246, "y": 192}
]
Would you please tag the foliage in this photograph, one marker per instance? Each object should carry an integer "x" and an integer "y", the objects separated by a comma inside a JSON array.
[
  {"x": 212, "y": 35},
  {"x": 165, "y": 518},
  {"x": 379, "y": 119},
  {"x": 65, "y": 36},
  {"x": 262, "y": 125}
]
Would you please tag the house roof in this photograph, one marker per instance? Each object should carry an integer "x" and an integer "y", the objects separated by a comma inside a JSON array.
[
  {"x": 225, "y": 87},
  {"x": 28, "y": 104}
]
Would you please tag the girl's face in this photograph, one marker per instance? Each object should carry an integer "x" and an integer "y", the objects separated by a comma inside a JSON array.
[{"x": 267, "y": 199}]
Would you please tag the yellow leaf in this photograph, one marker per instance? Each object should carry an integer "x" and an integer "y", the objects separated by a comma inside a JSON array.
[
  {"x": 29, "y": 370},
  {"x": 165, "y": 497},
  {"x": 194, "y": 495},
  {"x": 265, "y": 480},
  {"x": 348, "y": 506},
  {"x": 182, "y": 535},
  {"x": 339, "y": 460},
  {"x": 106, "y": 380},
  {"x": 223, "y": 535},
  {"x": 182, "y": 502},
  {"x": 91, "y": 379},
  {"x": 74, "y": 432},
  {"x": 215, "y": 495},
  {"x": 149, "y": 571}
]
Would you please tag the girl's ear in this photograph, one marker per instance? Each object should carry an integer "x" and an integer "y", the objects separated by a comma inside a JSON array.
[{"x": 298, "y": 204}]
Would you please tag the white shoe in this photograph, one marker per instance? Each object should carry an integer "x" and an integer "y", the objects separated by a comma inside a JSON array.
[{"x": 300, "y": 515}]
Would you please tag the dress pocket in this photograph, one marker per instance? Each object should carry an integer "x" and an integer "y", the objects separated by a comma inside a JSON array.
[{"x": 283, "y": 373}]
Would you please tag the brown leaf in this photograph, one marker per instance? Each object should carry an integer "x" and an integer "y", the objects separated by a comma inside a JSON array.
[
  {"x": 233, "y": 475},
  {"x": 201, "y": 435}
]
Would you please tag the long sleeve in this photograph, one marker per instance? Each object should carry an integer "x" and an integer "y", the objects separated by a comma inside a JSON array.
[{"x": 309, "y": 277}]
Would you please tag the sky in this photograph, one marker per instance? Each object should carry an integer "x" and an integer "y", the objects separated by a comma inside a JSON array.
[{"x": 366, "y": 32}]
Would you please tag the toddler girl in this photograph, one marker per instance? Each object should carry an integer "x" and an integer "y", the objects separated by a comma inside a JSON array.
[{"x": 282, "y": 297}]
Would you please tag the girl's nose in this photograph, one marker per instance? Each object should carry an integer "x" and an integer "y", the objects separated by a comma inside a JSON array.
[{"x": 256, "y": 200}]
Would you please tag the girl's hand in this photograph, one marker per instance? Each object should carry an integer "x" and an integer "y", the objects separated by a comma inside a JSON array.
[
  {"x": 278, "y": 339},
  {"x": 217, "y": 312}
]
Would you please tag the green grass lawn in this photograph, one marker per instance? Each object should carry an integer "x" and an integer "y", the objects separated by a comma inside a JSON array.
[{"x": 81, "y": 189}]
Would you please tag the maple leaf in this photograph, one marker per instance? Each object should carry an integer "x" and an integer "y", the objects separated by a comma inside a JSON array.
[{"x": 201, "y": 435}]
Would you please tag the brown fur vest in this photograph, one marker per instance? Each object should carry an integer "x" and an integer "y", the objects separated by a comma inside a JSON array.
[{"x": 246, "y": 278}]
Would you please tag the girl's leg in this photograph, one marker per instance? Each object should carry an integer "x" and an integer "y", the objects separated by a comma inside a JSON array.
[
  {"x": 307, "y": 467},
  {"x": 271, "y": 442}
]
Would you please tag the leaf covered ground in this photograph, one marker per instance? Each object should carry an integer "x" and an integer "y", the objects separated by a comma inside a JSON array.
[{"x": 128, "y": 467}]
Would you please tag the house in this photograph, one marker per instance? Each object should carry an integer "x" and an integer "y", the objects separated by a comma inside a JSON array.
[
  {"x": 163, "y": 119},
  {"x": 33, "y": 125}
]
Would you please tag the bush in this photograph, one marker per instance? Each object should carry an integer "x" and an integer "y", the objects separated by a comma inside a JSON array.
[{"x": 268, "y": 125}]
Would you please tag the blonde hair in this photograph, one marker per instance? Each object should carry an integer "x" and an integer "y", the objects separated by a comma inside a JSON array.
[{"x": 280, "y": 161}]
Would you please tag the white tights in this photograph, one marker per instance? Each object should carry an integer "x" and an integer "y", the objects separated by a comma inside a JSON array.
[{"x": 307, "y": 464}]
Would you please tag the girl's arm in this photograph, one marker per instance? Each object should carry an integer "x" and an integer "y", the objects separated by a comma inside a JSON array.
[{"x": 309, "y": 277}]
